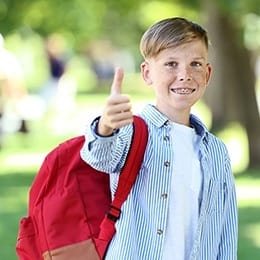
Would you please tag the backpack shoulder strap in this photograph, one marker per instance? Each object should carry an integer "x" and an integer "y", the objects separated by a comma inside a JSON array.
[
  {"x": 131, "y": 168},
  {"x": 126, "y": 180}
]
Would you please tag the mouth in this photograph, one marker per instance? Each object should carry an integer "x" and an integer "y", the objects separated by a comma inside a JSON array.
[{"x": 183, "y": 91}]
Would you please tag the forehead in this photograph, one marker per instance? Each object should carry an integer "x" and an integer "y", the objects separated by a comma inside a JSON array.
[{"x": 192, "y": 49}]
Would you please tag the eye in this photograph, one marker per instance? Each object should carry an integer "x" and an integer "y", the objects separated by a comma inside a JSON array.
[
  {"x": 171, "y": 64},
  {"x": 196, "y": 64}
]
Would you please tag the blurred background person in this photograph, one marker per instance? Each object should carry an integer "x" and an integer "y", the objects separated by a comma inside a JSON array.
[
  {"x": 12, "y": 91},
  {"x": 54, "y": 47}
]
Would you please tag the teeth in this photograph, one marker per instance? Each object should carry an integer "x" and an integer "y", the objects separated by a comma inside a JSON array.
[{"x": 183, "y": 91}]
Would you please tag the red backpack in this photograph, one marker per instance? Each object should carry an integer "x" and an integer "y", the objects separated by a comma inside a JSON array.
[{"x": 71, "y": 215}]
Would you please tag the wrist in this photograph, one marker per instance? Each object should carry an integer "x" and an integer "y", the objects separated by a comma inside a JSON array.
[{"x": 103, "y": 130}]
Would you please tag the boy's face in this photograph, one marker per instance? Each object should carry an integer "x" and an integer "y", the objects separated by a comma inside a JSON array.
[{"x": 179, "y": 76}]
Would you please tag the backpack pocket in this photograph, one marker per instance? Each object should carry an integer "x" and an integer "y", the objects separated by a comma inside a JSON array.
[
  {"x": 84, "y": 250},
  {"x": 26, "y": 246}
]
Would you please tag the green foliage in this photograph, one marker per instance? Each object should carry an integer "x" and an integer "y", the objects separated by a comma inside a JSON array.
[
  {"x": 82, "y": 21},
  {"x": 153, "y": 11},
  {"x": 29, "y": 49},
  {"x": 87, "y": 20},
  {"x": 123, "y": 21}
]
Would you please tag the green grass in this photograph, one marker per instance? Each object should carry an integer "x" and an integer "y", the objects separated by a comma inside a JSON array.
[
  {"x": 249, "y": 230},
  {"x": 21, "y": 156},
  {"x": 248, "y": 190}
]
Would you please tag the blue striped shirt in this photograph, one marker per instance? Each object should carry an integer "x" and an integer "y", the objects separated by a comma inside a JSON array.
[{"x": 142, "y": 226}]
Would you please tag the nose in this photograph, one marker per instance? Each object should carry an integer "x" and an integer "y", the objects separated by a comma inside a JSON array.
[{"x": 184, "y": 74}]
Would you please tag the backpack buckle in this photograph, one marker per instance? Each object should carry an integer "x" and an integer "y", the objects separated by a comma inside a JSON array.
[{"x": 114, "y": 213}]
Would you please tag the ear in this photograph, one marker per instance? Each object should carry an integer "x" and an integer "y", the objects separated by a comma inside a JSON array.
[
  {"x": 208, "y": 73},
  {"x": 145, "y": 70}
]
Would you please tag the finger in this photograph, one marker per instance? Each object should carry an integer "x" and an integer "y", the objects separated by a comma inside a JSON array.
[
  {"x": 123, "y": 123},
  {"x": 122, "y": 120},
  {"x": 117, "y": 82}
]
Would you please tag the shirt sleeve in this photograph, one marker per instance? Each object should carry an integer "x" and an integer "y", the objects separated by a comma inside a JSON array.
[
  {"x": 229, "y": 237},
  {"x": 107, "y": 154}
]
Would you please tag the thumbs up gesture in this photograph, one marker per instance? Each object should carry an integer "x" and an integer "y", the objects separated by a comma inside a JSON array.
[{"x": 117, "y": 112}]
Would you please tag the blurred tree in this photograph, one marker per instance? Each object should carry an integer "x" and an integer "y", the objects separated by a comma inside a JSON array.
[{"x": 232, "y": 95}]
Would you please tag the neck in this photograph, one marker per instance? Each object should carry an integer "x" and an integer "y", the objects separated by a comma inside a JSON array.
[{"x": 182, "y": 118}]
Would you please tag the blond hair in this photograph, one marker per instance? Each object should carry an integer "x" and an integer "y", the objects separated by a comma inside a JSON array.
[{"x": 168, "y": 33}]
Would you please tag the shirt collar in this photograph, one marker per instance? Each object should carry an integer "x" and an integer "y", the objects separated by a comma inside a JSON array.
[
  {"x": 151, "y": 113},
  {"x": 200, "y": 128}
]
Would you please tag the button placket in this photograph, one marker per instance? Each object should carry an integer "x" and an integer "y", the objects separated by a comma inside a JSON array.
[{"x": 163, "y": 194}]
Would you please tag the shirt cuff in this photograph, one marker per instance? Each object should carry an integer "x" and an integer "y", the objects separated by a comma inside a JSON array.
[{"x": 95, "y": 133}]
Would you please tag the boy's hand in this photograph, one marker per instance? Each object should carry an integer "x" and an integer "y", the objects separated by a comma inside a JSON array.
[{"x": 117, "y": 112}]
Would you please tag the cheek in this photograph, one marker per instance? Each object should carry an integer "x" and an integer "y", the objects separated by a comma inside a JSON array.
[
  {"x": 201, "y": 79},
  {"x": 165, "y": 77},
  {"x": 161, "y": 81}
]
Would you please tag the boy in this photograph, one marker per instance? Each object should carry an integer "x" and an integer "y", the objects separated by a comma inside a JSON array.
[{"x": 183, "y": 204}]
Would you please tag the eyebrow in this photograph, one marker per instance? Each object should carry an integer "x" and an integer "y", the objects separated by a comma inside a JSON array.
[
  {"x": 199, "y": 58},
  {"x": 193, "y": 58}
]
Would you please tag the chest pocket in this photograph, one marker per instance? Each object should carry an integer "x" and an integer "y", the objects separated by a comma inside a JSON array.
[{"x": 215, "y": 201}]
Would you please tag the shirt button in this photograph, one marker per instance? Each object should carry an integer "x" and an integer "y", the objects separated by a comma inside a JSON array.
[
  {"x": 167, "y": 164},
  {"x": 166, "y": 138},
  {"x": 164, "y": 195},
  {"x": 167, "y": 123},
  {"x": 159, "y": 232}
]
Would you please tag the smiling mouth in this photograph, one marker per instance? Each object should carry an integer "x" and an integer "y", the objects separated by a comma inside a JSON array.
[{"x": 183, "y": 91}]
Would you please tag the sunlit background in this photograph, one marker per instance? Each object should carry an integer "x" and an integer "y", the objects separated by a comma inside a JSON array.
[{"x": 56, "y": 65}]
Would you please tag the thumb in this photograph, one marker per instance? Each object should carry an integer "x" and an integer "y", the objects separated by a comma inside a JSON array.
[{"x": 117, "y": 82}]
